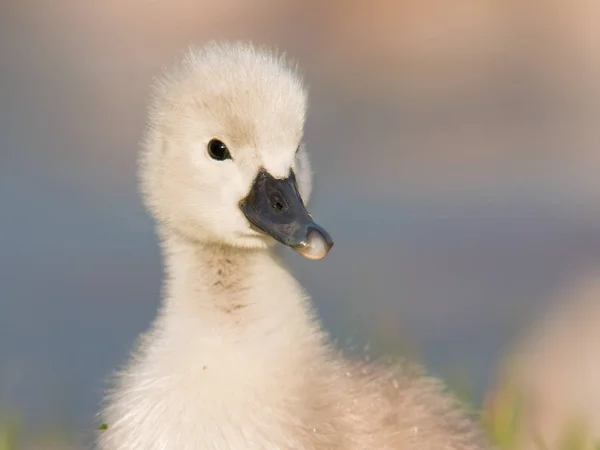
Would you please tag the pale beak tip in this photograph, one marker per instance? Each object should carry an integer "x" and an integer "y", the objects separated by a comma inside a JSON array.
[{"x": 315, "y": 247}]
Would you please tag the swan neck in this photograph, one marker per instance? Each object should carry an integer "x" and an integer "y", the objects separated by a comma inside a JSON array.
[{"x": 224, "y": 279}]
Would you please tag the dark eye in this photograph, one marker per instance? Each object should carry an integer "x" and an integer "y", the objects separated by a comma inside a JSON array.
[{"x": 217, "y": 150}]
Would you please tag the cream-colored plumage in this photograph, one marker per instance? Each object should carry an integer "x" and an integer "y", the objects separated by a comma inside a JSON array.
[{"x": 235, "y": 358}]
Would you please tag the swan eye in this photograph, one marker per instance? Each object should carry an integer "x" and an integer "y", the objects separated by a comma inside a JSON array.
[{"x": 218, "y": 151}]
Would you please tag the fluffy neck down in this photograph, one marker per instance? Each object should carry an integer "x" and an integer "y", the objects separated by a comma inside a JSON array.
[
  {"x": 233, "y": 360},
  {"x": 241, "y": 307}
]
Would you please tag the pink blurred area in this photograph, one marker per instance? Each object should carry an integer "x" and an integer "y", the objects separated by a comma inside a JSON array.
[
  {"x": 554, "y": 368},
  {"x": 447, "y": 92}
]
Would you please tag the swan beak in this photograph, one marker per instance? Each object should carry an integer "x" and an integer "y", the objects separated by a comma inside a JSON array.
[{"x": 274, "y": 207}]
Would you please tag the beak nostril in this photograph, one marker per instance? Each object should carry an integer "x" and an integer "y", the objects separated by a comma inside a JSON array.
[
  {"x": 278, "y": 206},
  {"x": 278, "y": 203}
]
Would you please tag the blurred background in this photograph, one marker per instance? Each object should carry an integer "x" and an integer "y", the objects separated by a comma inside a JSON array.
[{"x": 455, "y": 147}]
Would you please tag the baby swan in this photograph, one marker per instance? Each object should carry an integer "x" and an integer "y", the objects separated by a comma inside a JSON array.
[{"x": 235, "y": 358}]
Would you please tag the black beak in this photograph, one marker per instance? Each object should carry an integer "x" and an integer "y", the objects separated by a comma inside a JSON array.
[{"x": 274, "y": 207}]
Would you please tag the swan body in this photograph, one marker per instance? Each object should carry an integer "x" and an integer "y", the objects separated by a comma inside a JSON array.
[{"x": 235, "y": 358}]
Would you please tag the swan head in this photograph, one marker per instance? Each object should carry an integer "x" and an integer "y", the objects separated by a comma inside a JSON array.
[{"x": 223, "y": 159}]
